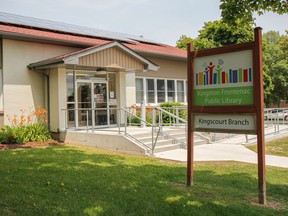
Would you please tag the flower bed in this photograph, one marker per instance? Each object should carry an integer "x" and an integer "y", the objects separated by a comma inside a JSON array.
[{"x": 31, "y": 127}]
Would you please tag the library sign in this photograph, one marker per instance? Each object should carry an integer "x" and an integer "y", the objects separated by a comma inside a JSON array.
[
  {"x": 225, "y": 94},
  {"x": 224, "y": 80},
  {"x": 241, "y": 123}
]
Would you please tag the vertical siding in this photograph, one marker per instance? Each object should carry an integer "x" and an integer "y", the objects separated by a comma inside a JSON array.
[{"x": 111, "y": 57}]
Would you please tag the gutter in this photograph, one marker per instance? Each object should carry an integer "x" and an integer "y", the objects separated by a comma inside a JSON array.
[{"x": 33, "y": 66}]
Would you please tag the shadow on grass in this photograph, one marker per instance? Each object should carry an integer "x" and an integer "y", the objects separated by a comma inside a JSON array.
[{"x": 71, "y": 181}]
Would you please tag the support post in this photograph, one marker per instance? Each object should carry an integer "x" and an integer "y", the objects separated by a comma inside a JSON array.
[
  {"x": 190, "y": 134},
  {"x": 259, "y": 102}
]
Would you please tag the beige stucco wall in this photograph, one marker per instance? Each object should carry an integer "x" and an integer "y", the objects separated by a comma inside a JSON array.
[
  {"x": 22, "y": 87},
  {"x": 173, "y": 69}
]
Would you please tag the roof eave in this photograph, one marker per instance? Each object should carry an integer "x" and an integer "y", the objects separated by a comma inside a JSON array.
[
  {"x": 40, "y": 65},
  {"x": 162, "y": 55}
]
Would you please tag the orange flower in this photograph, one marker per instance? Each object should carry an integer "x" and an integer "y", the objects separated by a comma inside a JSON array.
[{"x": 15, "y": 121}]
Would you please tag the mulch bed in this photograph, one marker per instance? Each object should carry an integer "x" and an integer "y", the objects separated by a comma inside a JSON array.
[{"x": 30, "y": 145}]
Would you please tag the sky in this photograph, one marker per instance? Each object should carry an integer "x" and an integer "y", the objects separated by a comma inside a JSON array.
[{"x": 159, "y": 20}]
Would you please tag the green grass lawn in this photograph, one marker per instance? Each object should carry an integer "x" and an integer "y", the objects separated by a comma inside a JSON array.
[
  {"x": 276, "y": 147},
  {"x": 65, "y": 180}
]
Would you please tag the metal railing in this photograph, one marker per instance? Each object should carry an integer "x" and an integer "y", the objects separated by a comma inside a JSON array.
[
  {"x": 275, "y": 122},
  {"x": 122, "y": 126},
  {"x": 174, "y": 116}
]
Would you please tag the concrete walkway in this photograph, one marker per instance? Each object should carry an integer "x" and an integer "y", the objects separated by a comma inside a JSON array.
[{"x": 226, "y": 150}]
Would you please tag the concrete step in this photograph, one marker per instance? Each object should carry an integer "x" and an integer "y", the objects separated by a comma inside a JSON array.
[
  {"x": 176, "y": 131},
  {"x": 166, "y": 148},
  {"x": 160, "y": 143},
  {"x": 140, "y": 135},
  {"x": 177, "y": 135},
  {"x": 149, "y": 139},
  {"x": 164, "y": 143}
]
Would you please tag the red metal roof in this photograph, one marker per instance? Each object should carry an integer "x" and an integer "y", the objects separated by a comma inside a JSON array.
[{"x": 89, "y": 41}]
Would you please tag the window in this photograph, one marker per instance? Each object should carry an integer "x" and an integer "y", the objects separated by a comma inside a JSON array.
[
  {"x": 180, "y": 91},
  {"x": 70, "y": 87},
  {"x": 161, "y": 91},
  {"x": 150, "y": 91},
  {"x": 171, "y": 90},
  {"x": 112, "y": 85},
  {"x": 157, "y": 90},
  {"x": 139, "y": 90},
  {"x": 70, "y": 113}
]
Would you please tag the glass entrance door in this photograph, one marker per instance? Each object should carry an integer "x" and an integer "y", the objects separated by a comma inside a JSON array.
[
  {"x": 92, "y": 104},
  {"x": 84, "y": 104},
  {"x": 100, "y": 104}
]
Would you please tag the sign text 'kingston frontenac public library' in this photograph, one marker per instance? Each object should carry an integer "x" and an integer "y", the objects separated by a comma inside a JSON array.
[{"x": 224, "y": 80}]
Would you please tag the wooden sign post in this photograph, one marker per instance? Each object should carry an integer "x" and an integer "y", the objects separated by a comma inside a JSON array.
[{"x": 225, "y": 94}]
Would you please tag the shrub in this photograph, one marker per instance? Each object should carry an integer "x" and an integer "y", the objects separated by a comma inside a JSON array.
[
  {"x": 136, "y": 111},
  {"x": 26, "y": 128},
  {"x": 8, "y": 135},
  {"x": 171, "y": 107}
]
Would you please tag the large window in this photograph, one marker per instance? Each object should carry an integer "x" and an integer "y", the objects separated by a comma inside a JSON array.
[
  {"x": 161, "y": 91},
  {"x": 180, "y": 91},
  {"x": 171, "y": 90},
  {"x": 70, "y": 87},
  {"x": 150, "y": 91},
  {"x": 154, "y": 90},
  {"x": 139, "y": 90}
]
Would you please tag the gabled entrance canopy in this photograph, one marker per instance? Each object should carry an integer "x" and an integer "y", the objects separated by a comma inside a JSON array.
[{"x": 110, "y": 55}]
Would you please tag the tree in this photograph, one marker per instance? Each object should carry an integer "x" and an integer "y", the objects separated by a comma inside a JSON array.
[
  {"x": 275, "y": 60},
  {"x": 222, "y": 33},
  {"x": 232, "y": 10},
  {"x": 275, "y": 53},
  {"x": 217, "y": 33},
  {"x": 183, "y": 41}
]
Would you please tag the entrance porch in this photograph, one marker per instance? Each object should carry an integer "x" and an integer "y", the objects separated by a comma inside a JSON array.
[{"x": 85, "y": 88}]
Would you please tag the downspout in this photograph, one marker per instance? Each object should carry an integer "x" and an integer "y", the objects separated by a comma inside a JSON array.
[
  {"x": 48, "y": 98},
  {"x": 48, "y": 93}
]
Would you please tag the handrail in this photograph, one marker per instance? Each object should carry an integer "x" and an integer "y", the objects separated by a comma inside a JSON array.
[
  {"x": 126, "y": 112},
  {"x": 144, "y": 121},
  {"x": 153, "y": 126},
  {"x": 171, "y": 114}
]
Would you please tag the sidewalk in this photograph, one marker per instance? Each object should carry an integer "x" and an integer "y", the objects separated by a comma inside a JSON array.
[{"x": 226, "y": 150}]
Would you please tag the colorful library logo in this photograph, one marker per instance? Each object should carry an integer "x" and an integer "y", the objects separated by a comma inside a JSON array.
[{"x": 214, "y": 75}]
